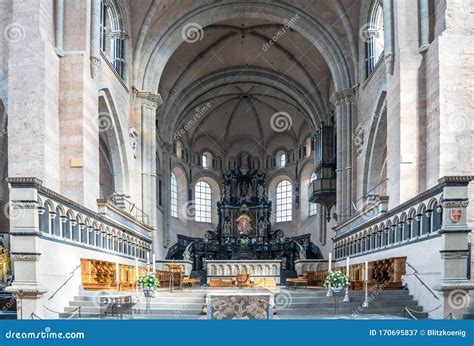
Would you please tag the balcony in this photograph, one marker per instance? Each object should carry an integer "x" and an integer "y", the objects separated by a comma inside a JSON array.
[{"x": 55, "y": 217}]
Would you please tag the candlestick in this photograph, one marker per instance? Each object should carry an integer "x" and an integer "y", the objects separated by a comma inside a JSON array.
[
  {"x": 117, "y": 275},
  {"x": 365, "y": 304},
  {"x": 346, "y": 296},
  {"x": 136, "y": 276}
]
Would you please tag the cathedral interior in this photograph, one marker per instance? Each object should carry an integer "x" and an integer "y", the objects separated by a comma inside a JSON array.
[{"x": 236, "y": 146}]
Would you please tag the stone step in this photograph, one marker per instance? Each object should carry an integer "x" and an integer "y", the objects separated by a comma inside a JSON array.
[
  {"x": 153, "y": 300},
  {"x": 392, "y": 310},
  {"x": 154, "y": 310},
  {"x": 321, "y": 293},
  {"x": 170, "y": 304},
  {"x": 135, "y": 317},
  {"x": 310, "y": 299},
  {"x": 352, "y": 304}
]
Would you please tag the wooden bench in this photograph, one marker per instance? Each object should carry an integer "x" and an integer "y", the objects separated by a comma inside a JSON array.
[
  {"x": 191, "y": 283},
  {"x": 294, "y": 283}
]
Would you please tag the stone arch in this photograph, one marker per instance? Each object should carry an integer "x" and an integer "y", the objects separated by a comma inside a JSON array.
[
  {"x": 375, "y": 173},
  {"x": 110, "y": 130},
  {"x": 310, "y": 25}
]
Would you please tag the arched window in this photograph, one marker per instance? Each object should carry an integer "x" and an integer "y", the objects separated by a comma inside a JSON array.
[
  {"x": 174, "y": 196},
  {"x": 312, "y": 206},
  {"x": 281, "y": 158},
  {"x": 307, "y": 147},
  {"x": 284, "y": 204},
  {"x": 373, "y": 37},
  {"x": 113, "y": 35},
  {"x": 206, "y": 160},
  {"x": 202, "y": 201}
]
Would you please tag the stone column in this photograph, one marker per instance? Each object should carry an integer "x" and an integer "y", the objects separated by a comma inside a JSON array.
[
  {"x": 149, "y": 102},
  {"x": 59, "y": 26},
  {"x": 342, "y": 101},
  {"x": 78, "y": 110},
  {"x": 24, "y": 234},
  {"x": 424, "y": 18},
  {"x": 167, "y": 150},
  {"x": 339, "y": 162},
  {"x": 454, "y": 284},
  {"x": 95, "y": 38},
  {"x": 388, "y": 35},
  {"x": 33, "y": 144}
]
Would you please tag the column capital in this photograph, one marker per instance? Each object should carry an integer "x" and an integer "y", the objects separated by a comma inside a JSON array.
[
  {"x": 339, "y": 98},
  {"x": 149, "y": 99}
]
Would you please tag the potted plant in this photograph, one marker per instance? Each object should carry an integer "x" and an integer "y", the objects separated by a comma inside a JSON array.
[
  {"x": 335, "y": 281},
  {"x": 148, "y": 283}
]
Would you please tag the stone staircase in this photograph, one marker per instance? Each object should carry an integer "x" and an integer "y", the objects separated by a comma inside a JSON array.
[
  {"x": 313, "y": 303},
  {"x": 180, "y": 305},
  {"x": 289, "y": 304}
]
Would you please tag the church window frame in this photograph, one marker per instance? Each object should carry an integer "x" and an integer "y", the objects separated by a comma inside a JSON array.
[{"x": 284, "y": 201}]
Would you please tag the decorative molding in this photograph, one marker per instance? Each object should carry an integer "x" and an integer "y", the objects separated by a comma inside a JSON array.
[
  {"x": 456, "y": 179},
  {"x": 95, "y": 66},
  {"x": 455, "y": 203},
  {"x": 24, "y": 180},
  {"x": 120, "y": 35},
  {"x": 148, "y": 99},
  {"x": 25, "y": 256}
]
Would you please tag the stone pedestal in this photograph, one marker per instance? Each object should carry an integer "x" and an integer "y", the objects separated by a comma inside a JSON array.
[
  {"x": 455, "y": 283},
  {"x": 24, "y": 233},
  {"x": 240, "y": 305}
]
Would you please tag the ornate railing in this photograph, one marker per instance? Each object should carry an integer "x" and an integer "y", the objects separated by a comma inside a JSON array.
[
  {"x": 375, "y": 230},
  {"x": 63, "y": 219}
]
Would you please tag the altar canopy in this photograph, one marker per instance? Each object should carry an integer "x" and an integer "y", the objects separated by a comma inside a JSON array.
[{"x": 244, "y": 230}]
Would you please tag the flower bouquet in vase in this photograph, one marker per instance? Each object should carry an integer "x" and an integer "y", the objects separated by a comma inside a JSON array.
[
  {"x": 148, "y": 283},
  {"x": 335, "y": 281}
]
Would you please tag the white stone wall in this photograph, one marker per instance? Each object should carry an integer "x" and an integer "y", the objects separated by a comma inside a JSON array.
[{"x": 57, "y": 261}]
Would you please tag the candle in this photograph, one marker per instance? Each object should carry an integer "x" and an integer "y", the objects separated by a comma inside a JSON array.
[
  {"x": 330, "y": 260},
  {"x": 117, "y": 273},
  {"x": 347, "y": 266},
  {"x": 366, "y": 277},
  {"x": 136, "y": 269},
  {"x": 154, "y": 264},
  {"x": 147, "y": 257}
]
